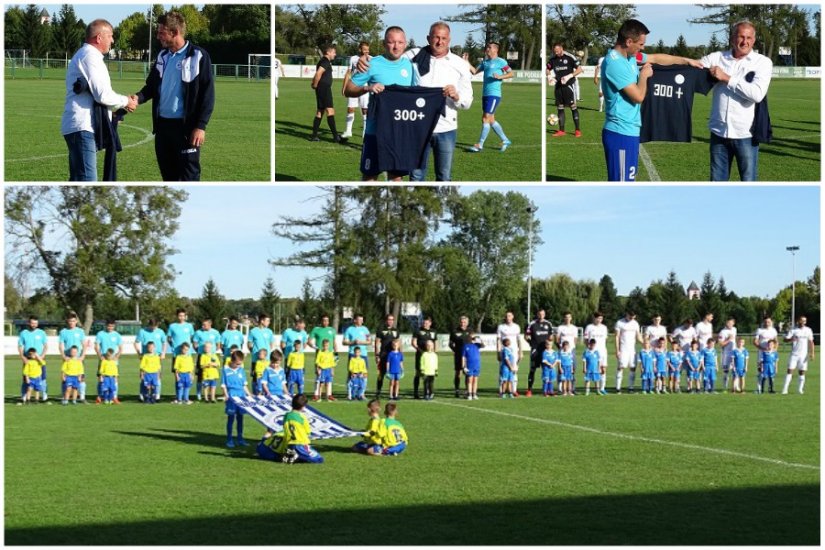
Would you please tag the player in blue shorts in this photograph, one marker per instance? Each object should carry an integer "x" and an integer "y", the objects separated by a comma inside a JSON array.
[
  {"x": 495, "y": 70},
  {"x": 675, "y": 357},
  {"x": 273, "y": 381},
  {"x": 693, "y": 358},
  {"x": 549, "y": 366},
  {"x": 770, "y": 358},
  {"x": 625, "y": 86},
  {"x": 505, "y": 372},
  {"x": 566, "y": 362},
  {"x": 384, "y": 70},
  {"x": 710, "y": 364},
  {"x": 661, "y": 365},
  {"x": 471, "y": 365},
  {"x": 647, "y": 361},
  {"x": 395, "y": 368},
  {"x": 591, "y": 367},
  {"x": 739, "y": 357},
  {"x": 233, "y": 383}
]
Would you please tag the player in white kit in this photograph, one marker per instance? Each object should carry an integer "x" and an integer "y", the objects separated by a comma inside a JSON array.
[
  {"x": 510, "y": 330},
  {"x": 568, "y": 332},
  {"x": 764, "y": 334},
  {"x": 655, "y": 330},
  {"x": 597, "y": 79},
  {"x": 802, "y": 348},
  {"x": 355, "y": 102},
  {"x": 598, "y": 331},
  {"x": 277, "y": 73},
  {"x": 704, "y": 330},
  {"x": 628, "y": 332},
  {"x": 727, "y": 341}
]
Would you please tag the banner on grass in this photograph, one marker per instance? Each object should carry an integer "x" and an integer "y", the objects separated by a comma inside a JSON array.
[{"x": 270, "y": 412}]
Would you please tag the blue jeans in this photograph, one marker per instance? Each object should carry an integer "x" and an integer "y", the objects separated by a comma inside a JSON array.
[
  {"x": 724, "y": 150},
  {"x": 442, "y": 145},
  {"x": 82, "y": 156}
]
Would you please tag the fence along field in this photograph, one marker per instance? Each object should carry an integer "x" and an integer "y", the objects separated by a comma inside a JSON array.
[{"x": 237, "y": 144}]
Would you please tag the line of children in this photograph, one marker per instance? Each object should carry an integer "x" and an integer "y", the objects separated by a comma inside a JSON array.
[{"x": 357, "y": 385}]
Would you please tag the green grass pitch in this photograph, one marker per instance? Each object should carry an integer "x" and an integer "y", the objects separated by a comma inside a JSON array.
[
  {"x": 297, "y": 159},
  {"x": 619, "y": 469},
  {"x": 237, "y": 147},
  {"x": 793, "y": 155}
]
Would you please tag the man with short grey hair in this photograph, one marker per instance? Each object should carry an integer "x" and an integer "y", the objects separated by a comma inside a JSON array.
[{"x": 744, "y": 77}]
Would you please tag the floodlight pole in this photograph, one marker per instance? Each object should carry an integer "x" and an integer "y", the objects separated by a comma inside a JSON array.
[
  {"x": 793, "y": 250},
  {"x": 530, "y": 210},
  {"x": 149, "y": 59}
]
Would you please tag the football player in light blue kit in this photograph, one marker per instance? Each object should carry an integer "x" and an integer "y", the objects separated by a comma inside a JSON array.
[
  {"x": 151, "y": 333},
  {"x": 710, "y": 363},
  {"x": 291, "y": 335},
  {"x": 647, "y": 360},
  {"x": 384, "y": 70},
  {"x": 592, "y": 368},
  {"x": 67, "y": 338},
  {"x": 625, "y": 87},
  {"x": 495, "y": 70},
  {"x": 357, "y": 336},
  {"x": 105, "y": 341},
  {"x": 566, "y": 368},
  {"x": 769, "y": 359},
  {"x": 260, "y": 337},
  {"x": 739, "y": 357},
  {"x": 675, "y": 357},
  {"x": 33, "y": 338},
  {"x": 549, "y": 365},
  {"x": 660, "y": 355},
  {"x": 179, "y": 333}
]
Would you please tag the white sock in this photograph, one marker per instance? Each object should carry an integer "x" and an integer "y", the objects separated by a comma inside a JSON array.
[
  {"x": 601, "y": 104},
  {"x": 602, "y": 382},
  {"x": 787, "y": 383},
  {"x": 801, "y": 382},
  {"x": 350, "y": 120},
  {"x": 619, "y": 379},
  {"x": 725, "y": 381},
  {"x": 632, "y": 378}
]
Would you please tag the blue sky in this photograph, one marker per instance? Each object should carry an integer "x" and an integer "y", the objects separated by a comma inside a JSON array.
[{"x": 636, "y": 235}]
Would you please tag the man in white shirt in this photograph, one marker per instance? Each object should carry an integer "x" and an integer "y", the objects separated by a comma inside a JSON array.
[
  {"x": 656, "y": 330},
  {"x": 704, "y": 330},
  {"x": 597, "y": 331},
  {"x": 764, "y": 334},
  {"x": 744, "y": 77},
  {"x": 803, "y": 346},
  {"x": 727, "y": 341},
  {"x": 510, "y": 330},
  {"x": 437, "y": 67},
  {"x": 628, "y": 333},
  {"x": 76, "y": 124},
  {"x": 361, "y": 102},
  {"x": 684, "y": 334},
  {"x": 277, "y": 73},
  {"x": 568, "y": 332}
]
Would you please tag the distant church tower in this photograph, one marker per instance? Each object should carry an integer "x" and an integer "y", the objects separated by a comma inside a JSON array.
[{"x": 693, "y": 291}]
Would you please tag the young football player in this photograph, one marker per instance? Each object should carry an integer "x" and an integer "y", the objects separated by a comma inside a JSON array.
[
  {"x": 261, "y": 362},
  {"x": 471, "y": 364},
  {"x": 295, "y": 368},
  {"x": 506, "y": 370},
  {"x": 394, "y": 437},
  {"x": 549, "y": 367},
  {"x": 591, "y": 359},
  {"x": 371, "y": 443},
  {"x": 293, "y": 443},
  {"x": 647, "y": 361},
  {"x": 770, "y": 358},
  {"x": 566, "y": 360},
  {"x": 324, "y": 371},
  {"x": 395, "y": 368},
  {"x": 108, "y": 378},
  {"x": 32, "y": 373},
  {"x": 694, "y": 360},
  {"x": 234, "y": 384},
  {"x": 739, "y": 358},
  {"x": 357, "y": 368},
  {"x": 429, "y": 370},
  {"x": 710, "y": 365},
  {"x": 675, "y": 357},
  {"x": 273, "y": 380},
  {"x": 661, "y": 365},
  {"x": 150, "y": 372},
  {"x": 73, "y": 374},
  {"x": 209, "y": 364}
]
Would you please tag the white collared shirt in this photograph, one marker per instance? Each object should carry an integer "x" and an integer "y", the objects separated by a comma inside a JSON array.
[
  {"x": 87, "y": 64},
  {"x": 450, "y": 69},
  {"x": 732, "y": 111}
]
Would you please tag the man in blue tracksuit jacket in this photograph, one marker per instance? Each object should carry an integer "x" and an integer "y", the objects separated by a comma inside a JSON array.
[{"x": 182, "y": 91}]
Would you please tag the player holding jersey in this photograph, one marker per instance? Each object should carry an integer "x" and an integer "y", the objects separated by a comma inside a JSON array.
[
  {"x": 597, "y": 331},
  {"x": 628, "y": 332},
  {"x": 356, "y": 102},
  {"x": 495, "y": 70},
  {"x": 803, "y": 347},
  {"x": 390, "y": 68},
  {"x": 566, "y": 67}
]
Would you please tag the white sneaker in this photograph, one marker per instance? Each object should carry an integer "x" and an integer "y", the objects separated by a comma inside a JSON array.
[
  {"x": 346, "y": 135},
  {"x": 785, "y": 393}
]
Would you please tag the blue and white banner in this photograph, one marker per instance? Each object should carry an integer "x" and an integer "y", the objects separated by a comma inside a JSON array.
[{"x": 270, "y": 412}]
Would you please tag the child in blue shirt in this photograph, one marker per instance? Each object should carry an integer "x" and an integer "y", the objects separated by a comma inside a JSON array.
[
  {"x": 471, "y": 363},
  {"x": 549, "y": 364},
  {"x": 709, "y": 365},
  {"x": 675, "y": 357},
  {"x": 566, "y": 370},
  {"x": 233, "y": 383},
  {"x": 740, "y": 366},
  {"x": 661, "y": 365},
  {"x": 273, "y": 380},
  {"x": 770, "y": 358},
  {"x": 694, "y": 361},
  {"x": 647, "y": 360},
  {"x": 508, "y": 364},
  {"x": 591, "y": 368},
  {"x": 395, "y": 368}
]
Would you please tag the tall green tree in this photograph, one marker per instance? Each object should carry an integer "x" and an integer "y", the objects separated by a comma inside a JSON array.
[
  {"x": 83, "y": 240},
  {"x": 341, "y": 24},
  {"x": 609, "y": 299},
  {"x": 67, "y": 30},
  {"x": 269, "y": 299},
  {"x": 211, "y": 304},
  {"x": 517, "y": 27},
  {"x": 675, "y": 309},
  {"x": 132, "y": 33},
  {"x": 14, "y": 23},
  {"x": 588, "y": 26},
  {"x": 37, "y": 36}
]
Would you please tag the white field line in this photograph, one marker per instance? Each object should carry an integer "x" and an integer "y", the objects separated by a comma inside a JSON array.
[
  {"x": 651, "y": 169},
  {"x": 146, "y": 139},
  {"x": 635, "y": 437}
]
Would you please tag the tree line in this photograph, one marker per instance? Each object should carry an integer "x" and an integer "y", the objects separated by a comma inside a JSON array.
[
  {"x": 228, "y": 31},
  {"x": 104, "y": 251},
  {"x": 592, "y": 29}
]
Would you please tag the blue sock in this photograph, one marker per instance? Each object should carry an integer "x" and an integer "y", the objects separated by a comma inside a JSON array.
[
  {"x": 499, "y": 131},
  {"x": 229, "y": 419},
  {"x": 485, "y": 130},
  {"x": 239, "y": 416},
  {"x": 199, "y": 387}
]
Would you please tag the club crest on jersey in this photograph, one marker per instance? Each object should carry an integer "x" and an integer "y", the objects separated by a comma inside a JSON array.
[
  {"x": 420, "y": 102},
  {"x": 404, "y": 73},
  {"x": 680, "y": 79}
]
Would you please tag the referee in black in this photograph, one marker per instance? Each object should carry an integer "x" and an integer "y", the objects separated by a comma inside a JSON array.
[
  {"x": 539, "y": 331},
  {"x": 322, "y": 84},
  {"x": 383, "y": 346},
  {"x": 566, "y": 67},
  {"x": 459, "y": 338},
  {"x": 419, "y": 342}
]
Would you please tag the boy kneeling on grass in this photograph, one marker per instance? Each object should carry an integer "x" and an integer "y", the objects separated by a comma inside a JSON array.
[{"x": 293, "y": 443}]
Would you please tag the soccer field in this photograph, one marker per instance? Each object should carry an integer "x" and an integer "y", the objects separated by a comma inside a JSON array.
[
  {"x": 793, "y": 155},
  {"x": 237, "y": 146},
  {"x": 297, "y": 159},
  {"x": 619, "y": 469}
]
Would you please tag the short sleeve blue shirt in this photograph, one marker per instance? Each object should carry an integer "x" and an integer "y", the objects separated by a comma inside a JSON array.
[
  {"x": 145, "y": 336},
  {"x": 32, "y": 339},
  {"x": 353, "y": 334},
  {"x": 71, "y": 337},
  {"x": 231, "y": 338},
  {"x": 180, "y": 333},
  {"x": 261, "y": 338},
  {"x": 201, "y": 337},
  {"x": 108, "y": 341},
  {"x": 234, "y": 380},
  {"x": 618, "y": 72},
  {"x": 492, "y": 67},
  {"x": 472, "y": 354},
  {"x": 386, "y": 72}
]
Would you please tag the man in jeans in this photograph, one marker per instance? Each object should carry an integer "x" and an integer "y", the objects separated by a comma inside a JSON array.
[
  {"x": 76, "y": 124},
  {"x": 744, "y": 77}
]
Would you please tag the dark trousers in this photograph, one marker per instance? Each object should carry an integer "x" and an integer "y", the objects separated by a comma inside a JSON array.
[
  {"x": 177, "y": 159},
  {"x": 429, "y": 382}
]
